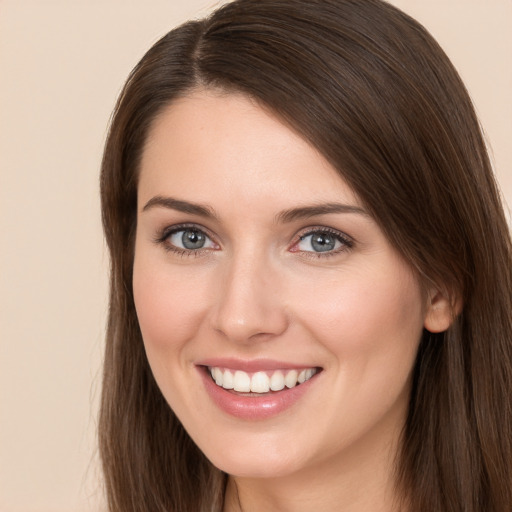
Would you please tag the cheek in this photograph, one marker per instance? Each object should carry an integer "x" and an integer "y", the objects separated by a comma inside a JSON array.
[
  {"x": 365, "y": 314},
  {"x": 371, "y": 324},
  {"x": 170, "y": 307},
  {"x": 168, "y": 304}
]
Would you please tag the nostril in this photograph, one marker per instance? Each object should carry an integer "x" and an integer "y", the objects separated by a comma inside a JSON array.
[{"x": 254, "y": 327}]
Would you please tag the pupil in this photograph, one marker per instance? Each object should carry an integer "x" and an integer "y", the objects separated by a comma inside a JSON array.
[
  {"x": 323, "y": 242},
  {"x": 193, "y": 239}
]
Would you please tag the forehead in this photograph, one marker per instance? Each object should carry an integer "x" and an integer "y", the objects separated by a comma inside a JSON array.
[{"x": 211, "y": 142}]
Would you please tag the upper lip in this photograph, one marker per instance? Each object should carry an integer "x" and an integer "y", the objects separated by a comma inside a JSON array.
[{"x": 252, "y": 365}]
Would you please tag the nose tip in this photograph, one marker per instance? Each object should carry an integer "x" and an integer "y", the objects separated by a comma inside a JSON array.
[
  {"x": 241, "y": 330},
  {"x": 248, "y": 309},
  {"x": 250, "y": 327}
]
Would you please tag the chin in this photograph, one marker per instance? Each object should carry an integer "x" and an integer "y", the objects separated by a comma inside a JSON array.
[
  {"x": 256, "y": 461},
  {"x": 255, "y": 468}
]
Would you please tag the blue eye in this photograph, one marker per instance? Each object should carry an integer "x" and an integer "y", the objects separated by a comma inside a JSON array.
[
  {"x": 322, "y": 242},
  {"x": 191, "y": 239}
]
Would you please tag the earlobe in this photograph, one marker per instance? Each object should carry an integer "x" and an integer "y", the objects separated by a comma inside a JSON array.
[{"x": 441, "y": 311}]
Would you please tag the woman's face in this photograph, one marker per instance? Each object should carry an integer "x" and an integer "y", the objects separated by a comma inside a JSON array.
[{"x": 255, "y": 262}]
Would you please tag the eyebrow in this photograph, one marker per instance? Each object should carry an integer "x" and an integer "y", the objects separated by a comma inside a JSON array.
[
  {"x": 305, "y": 212},
  {"x": 286, "y": 216},
  {"x": 180, "y": 206}
]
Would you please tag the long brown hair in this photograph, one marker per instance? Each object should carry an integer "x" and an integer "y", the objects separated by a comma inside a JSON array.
[{"x": 370, "y": 89}]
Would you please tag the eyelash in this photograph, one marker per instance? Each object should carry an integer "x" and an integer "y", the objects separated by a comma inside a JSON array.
[
  {"x": 347, "y": 243},
  {"x": 162, "y": 238}
]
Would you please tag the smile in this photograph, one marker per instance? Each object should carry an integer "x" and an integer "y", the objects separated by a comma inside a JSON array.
[
  {"x": 261, "y": 381},
  {"x": 256, "y": 390}
]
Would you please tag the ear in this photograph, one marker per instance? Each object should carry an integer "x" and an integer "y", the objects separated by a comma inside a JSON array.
[{"x": 441, "y": 311}]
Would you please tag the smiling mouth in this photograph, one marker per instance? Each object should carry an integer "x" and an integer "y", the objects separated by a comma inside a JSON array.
[{"x": 262, "y": 382}]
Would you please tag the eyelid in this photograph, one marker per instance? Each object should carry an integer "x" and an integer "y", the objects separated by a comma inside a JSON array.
[
  {"x": 163, "y": 235},
  {"x": 174, "y": 228},
  {"x": 347, "y": 241}
]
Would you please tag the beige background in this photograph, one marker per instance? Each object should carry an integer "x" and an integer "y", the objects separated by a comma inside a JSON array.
[{"x": 62, "y": 63}]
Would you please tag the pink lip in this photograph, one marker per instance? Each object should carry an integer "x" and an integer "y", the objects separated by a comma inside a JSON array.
[
  {"x": 249, "y": 407},
  {"x": 254, "y": 365}
]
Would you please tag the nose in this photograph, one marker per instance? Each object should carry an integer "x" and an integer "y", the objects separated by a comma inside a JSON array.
[{"x": 249, "y": 305}]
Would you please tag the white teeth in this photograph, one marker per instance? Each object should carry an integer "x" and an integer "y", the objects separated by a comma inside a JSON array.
[
  {"x": 242, "y": 382},
  {"x": 277, "y": 381},
  {"x": 217, "y": 375},
  {"x": 227, "y": 380},
  {"x": 260, "y": 382},
  {"x": 305, "y": 375},
  {"x": 291, "y": 378}
]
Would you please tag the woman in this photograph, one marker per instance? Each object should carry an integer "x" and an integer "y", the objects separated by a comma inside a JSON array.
[{"x": 311, "y": 272}]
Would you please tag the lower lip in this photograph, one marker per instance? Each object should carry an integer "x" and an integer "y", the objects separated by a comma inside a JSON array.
[{"x": 257, "y": 407}]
